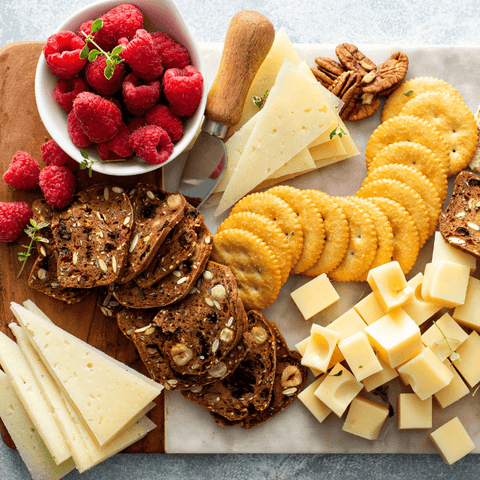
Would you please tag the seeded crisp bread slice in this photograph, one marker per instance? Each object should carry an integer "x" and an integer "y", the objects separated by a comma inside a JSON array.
[
  {"x": 92, "y": 236},
  {"x": 43, "y": 276},
  {"x": 156, "y": 212}
]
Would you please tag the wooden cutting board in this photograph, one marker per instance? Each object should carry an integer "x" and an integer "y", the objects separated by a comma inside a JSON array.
[{"x": 22, "y": 129}]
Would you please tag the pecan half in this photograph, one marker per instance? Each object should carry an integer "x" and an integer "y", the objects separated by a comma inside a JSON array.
[
  {"x": 353, "y": 59},
  {"x": 327, "y": 70},
  {"x": 347, "y": 88},
  {"x": 361, "y": 110},
  {"x": 388, "y": 75}
]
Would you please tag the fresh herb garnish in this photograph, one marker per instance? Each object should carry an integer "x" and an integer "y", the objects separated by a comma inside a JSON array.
[
  {"x": 111, "y": 59},
  {"x": 337, "y": 131},
  {"x": 407, "y": 94},
  {"x": 260, "y": 101},
  {"x": 337, "y": 374},
  {"x": 87, "y": 163},
  {"x": 291, "y": 234},
  {"x": 31, "y": 230}
]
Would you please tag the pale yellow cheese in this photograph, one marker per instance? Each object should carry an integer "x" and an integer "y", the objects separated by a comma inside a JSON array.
[
  {"x": 444, "y": 336},
  {"x": 437, "y": 284},
  {"x": 417, "y": 308},
  {"x": 365, "y": 418},
  {"x": 317, "y": 408},
  {"x": 396, "y": 337},
  {"x": 454, "y": 391},
  {"x": 359, "y": 356},
  {"x": 293, "y": 116},
  {"x": 426, "y": 373},
  {"x": 390, "y": 286},
  {"x": 336, "y": 356},
  {"x": 414, "y": 413},
  {"x": 469, "y": 364},
  {"x": 386, "y": 374},
  {"x": 320, "y": 347},
  {"x": 113, "y": 396},
  {"x": 467, "y": 313},
  {"x": 452, "y": 441},
  {"x": 347, "y": 324},
  {"x": 338, "y": 389},
  {"x": 442, "y": 250},
  {"x": 329, "y": 149},
  {"x": 315, "y": 296},
  {"x": 369, "y": 309}
]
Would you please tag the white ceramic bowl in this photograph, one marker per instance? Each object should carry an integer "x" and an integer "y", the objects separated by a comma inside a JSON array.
[{"x": 162, "y": 15}]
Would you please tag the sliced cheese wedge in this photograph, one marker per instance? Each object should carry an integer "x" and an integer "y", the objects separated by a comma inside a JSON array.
[
  {"x": 105, "y": 395},
  {"x": 29, "y": 443},
  {"x": 294, "y": 115},
  {"x": 26, "y": 387}
]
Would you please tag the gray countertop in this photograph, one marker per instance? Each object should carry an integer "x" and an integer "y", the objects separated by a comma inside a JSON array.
[{"x": 406, "y": 22}]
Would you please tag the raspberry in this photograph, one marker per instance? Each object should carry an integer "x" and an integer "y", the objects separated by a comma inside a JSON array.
[
  {"x": 172, "y": 53},
  {"x": 117, "y": 147},
  {"x": 62, "y": 54},
  {"x": 139, "y": 96},
  {"x": 57, "y": 185},
  {"x": 122, "y": 21},
  {"x": 137, "y": 122},
  {"x": 75, "y": 132},
  {"x": 52, "y": 154},
  {"x": 162, "y": 116},
  {"x": 23, "y": 172},
  {"x": 140, "y": 53},
  {"x": 66, "y": 90},
  {"x": 183, "y": 89},
  {"x": 152, "y": 144},
  {"x": 95, "y": 76},
  {"x": 99, "y": 118},
  {"x": 14, "y": 217}
]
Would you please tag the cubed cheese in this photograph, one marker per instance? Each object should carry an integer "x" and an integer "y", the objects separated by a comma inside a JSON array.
[
  {"x": 369, "y": 309},
  {"x": 365, "y": 418},
  {"x": 442, "y": 250},
  {"x": 320, "y": 347},
  {"x": 317, "y": 408},
  {"x": 414, "y": 413},
  {"x": 467, "y": 313},
  {"x": 454, "y": 391},
  {"x": 469, "y": 364}
]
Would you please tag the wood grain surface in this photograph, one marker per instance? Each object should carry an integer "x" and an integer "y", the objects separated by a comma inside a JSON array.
[{"x": 22, "y": 129}]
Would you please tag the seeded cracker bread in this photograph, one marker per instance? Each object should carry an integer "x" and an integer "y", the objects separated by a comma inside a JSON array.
[
  {"x": 92, "y": 236},
  {"x": 43, "y": 276},
  {"x": 173, "y": 287},
  {"x": 249, "y": 387},
  {"x": 138, "y": 326},
  {"x": 177, "y": 247},
  {"x": 155, "y": 213}
]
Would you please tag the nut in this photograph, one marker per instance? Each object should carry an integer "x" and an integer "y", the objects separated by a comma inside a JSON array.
[
  {"x": 347, "y": 88},
  {"x": 218, "y": 291},
  {"x": 181, "y": 354},
  {"x": 327, "y": 70},
  {"x": 364, "y": 110},
  {"x": 291, "y": 377},
  {"x": 388, "y": 75},
  {"x": 227, "y": 335},
  {"x": 353, "y": 59},
  {"x": 259, "y": 335},
  {"x": 174, "y": 201},
  {"x": 218, "y": 370}
]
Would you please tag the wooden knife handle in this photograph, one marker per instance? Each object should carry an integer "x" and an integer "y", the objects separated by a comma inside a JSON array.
[{"x": 248, "y": 40}]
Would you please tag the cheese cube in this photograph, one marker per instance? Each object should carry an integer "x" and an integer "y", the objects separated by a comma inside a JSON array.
[
  {"x": 414, "y": 413},
  {"x": 452, "y": 441},
  {"x": 338, "y": 389},
  {"x": 469, "y": 364},
  {"x": 467, "y": 313},
  {"x": 369, "y": 309},
  {"x": 396, "y": 337},
  {"x": 320, "y": 347},
  {"x": 454, "y": 391},
  {"x": 442, "y": 250},
  {"x": 426, "y": 374},
  {"x": 444, "y": 336},
  {"x": 315, "y": 296},
  {"x": 418, "y": 308},
  {"x": 359, "y": 355},
  {"x": 438, "y": 287},
  {"x": 365, "y": 418},
  {"x": 301, "y": 347},
  {"x": 389, "y": 285},
  {"x": 386, "y": 374},
  {"x": 317, "y": 408},
  {"x": 348, "y": 324}
]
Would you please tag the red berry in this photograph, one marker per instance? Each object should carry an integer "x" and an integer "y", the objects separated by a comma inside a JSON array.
[
  {"x": 117, "y": 147},
  {"x": 99, "y": 118},
  {"x": 57, "y": 185},
  {"x": 52, "y": 154},
  {"x": 66, "y": 90},
  {"x": 172, "y": 53},
  {"x": 75, "y": 132},
  {"x": 95, "y": 76},
  {"x": 138, "y": 95},
  {"x": 152, "y": 144},
  {"x": 140, "y": 53},
  {"x": 23, "y": 172},
  {"x": 62, "y": 54},
  {"x": 137, "y": 122},
  {"x": 162, "y": 116},
  {"x": 183, "y": 89},
  {"x": 14, "y": 217}
]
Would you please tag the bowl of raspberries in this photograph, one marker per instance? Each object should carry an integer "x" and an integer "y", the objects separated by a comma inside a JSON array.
[{"x": 120, "y": 86}]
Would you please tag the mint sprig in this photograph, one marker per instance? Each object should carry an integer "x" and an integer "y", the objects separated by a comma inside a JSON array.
[
  {"x": 337, "y": 131},
  {"x": 31, "y": 230},
  {"x": 260, "y": 101},
  {"x": 87, "y": 163}
]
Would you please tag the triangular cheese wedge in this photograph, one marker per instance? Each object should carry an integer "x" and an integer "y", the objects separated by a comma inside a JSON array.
[
  {"x": 293, "y": 116},
  {"x": 105, "y": 395}
]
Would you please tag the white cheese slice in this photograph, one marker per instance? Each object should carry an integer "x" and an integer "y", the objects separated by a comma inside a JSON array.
[
  {"x": 332, "y": 148},
  {"x": 18, "y": 371},
  {"x": 103, "y": 393},
  {"x": 29, "y": 443},
  {"x": 293, "y": 116}
]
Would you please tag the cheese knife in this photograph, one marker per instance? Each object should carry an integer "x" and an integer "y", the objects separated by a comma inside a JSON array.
[{"x": 248, "y": 40}]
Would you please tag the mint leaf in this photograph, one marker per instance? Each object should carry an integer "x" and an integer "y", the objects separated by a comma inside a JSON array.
[
  {"x": 93, "y": 55},
  {"x": 108, "y": 72},
  {"x": 97, "y": 25},
  {"x": 84, "y": 52},
  {"x": 117, "y": 50}
]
